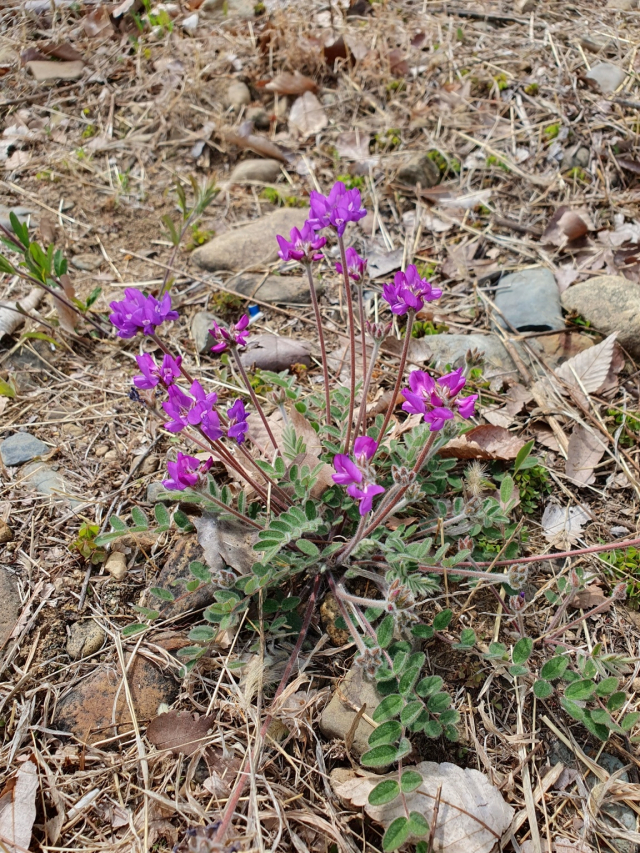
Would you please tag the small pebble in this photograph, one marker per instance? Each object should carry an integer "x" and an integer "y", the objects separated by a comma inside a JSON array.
[
  {"x": 6, "y": 533},
  {"x": 101, "y": 450},
  {"x": 85, "y": 639},
  {"x": 22, "y": 447},
  {"x": 116, "y": 565}
]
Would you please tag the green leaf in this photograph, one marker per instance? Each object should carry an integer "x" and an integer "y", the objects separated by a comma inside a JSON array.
[
  {"x": 580, "y": 690},
  {"x": 181, "y": 520},
  {"x": 162, "y": 515},
  {"x": 308, "y": 548},
  {"x": 386, "y": 733},
  {"x": 554, "y": 668},
  {"x": 408, "y": 679},
  {"x": 424, "y": 632},
  {"x": 384, "y": 634},
  {"x": 410, "y": 780},
  {"x": 542, "y": 689},
  {"x": 438, "y": 703},
  {"x": 506, "y": 489},
  {"x": 522, "y": 650},
  {"x": 161, "y": 593},
  {"x": 7, "y": 390},
  {"x": 200, "y": 571},
  {"x": 518, "y": 670},
  {"x": 418, "y": 824},
  {"x": 522, "y": 455},
  {"x": 396, "y": 834},
  {"x": 432, "y": 728},
  {"x": 573, "y": 709},
  {"x": 139, "y": 518},
  {"x": 130, "y": 630},
  {"x": 442, "y": 620},
  {"x": 616, "y": 700},
  {"x": 384, "y": 792},
  {"x": 290, "y": 603},
  {"x": 496, "y": 650},
  {"x": 467, "y": 639},
  {"x": 202, "y": 634},
  {"x": 629, "y": 720},
  {"x": 450, "y": 717},
  {"x": 411, "y": 712},
  {"x": 596, "y": 729},
  {"x": 389, "y": 708},
  {"x": 379, "y": 756},
  {"x": 6, "y": 267},
  {"x": 607, "y": 686},
  {"x": 400, "y": 661},
  {"x": 429, "y": 685}
]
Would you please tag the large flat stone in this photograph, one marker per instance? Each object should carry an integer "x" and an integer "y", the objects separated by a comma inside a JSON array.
[
  {"x": 274, "y": 288},
  {"x": 612, "y": 304},
  {"x": 250, "y": 245},
  {"x": 446, "y": 349},
  {"x": 352, "y": 693},
  {"x": 22, "y": 447},
  {"x": 530, "y": 301},
  {"x": 256, "y": 169},
  {"x": 10, "y": 605}
]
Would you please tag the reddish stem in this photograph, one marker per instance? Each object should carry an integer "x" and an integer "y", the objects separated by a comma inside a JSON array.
[
  {"x": 594, "y": 549},
  {"x": 396, "y": 388},
  {"x": 352, "y": 343}
]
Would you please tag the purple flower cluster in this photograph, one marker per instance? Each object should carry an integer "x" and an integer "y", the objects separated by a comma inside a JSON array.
[
  {"x": 234, "y": 336},
  {"x": 356, "y": 473},
  {"x": 197, "y": 409},
  {"x": 336, "y": 210},
  {"x": 185, "y": 472},
  {"x": 238, "y": 425},
  {"x": 409, "y": 292},
  {"x": 302, "y": 245},
  {"x": 355, "y": 265},
  {"x": 152, "y": 373},
  {"x": 137, "y": 311},
  {"x": 438, "y": 400}
]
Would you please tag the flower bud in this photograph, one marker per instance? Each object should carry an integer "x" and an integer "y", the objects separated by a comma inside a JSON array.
[
  {"x": 465, "y": 543},
  {"x": 517, "y": 602},
  {"x": 402, "y": 475},
  {"x": 378, "y": 331},
  {"x": 517, "y": 576},
  {"x": 277, "y": 396}
]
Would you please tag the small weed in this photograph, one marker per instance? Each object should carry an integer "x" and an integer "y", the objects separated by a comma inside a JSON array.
[
  {"x": 396, "y": 86},
  {"x": 444, "y": 164},
  {"x": 532, "y": 89},
  {"x": 501, "y": 81},
  {"x": 630, "y": 423},
  {"x": 423, "y": 328},
  {"x": 492, "y": 160},
  {"x": 259, "y": 9},
  {"x": 552, "y": 131},
  {"x": 80, "y": 154},
  {"x": 388, "y": 139},
  {"x": 578, "y": 174},
  {"x": 352, "y": 182},
  {"x": 85, "y": 544},
  {"x": 226, "y": 305},
  {"x": 47, "y": 175},
  {"x": 534, "y": 484},
  {"x": 89, "y": 131},
  {"x": 199, "y": 236},
  {"x": 625, "y": 565},
  {"x": 277, "y": 197}
]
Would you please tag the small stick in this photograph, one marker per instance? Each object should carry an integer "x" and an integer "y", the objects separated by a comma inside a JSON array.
[{"x": 399, "y": 377}]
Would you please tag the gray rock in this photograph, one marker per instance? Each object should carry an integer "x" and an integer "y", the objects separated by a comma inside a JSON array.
[
  {"x": 10, "y": 605},
  {"x": 44, "y": 69},
  {"x": 22, "y": 447},
  {"x": 446, "y": 349},
  {"x": 175, "y": 574},
  {"x": 420, "y": 170},
  {"x": 201, "y": 322},
  {"x": 250, "y": 245},
  {"x": 274, "y": 288},
  {"x": 23, "y": 214},
  {"x": 265, "y": 171},
  {"x": 615, "y": 814},
  {"x": 611, "y": 303},
  {"x": 530, "y": 301},
  {"x": 87, "y": 262},
  {"x": 237, "y": 95},
  {"x": 338, "y": 716},
  {"x": 270, "y": 352},
  {"x": 576, "y": 157},
  {"x": 85, "y": 638},
  {"x": 606, "y": 76},
  {"x": 622, "y": 5},
  {"x": 46, "y": 480},
  {"x": 95, "y": 704}
]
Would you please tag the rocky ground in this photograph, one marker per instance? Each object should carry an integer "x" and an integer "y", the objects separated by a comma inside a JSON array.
[{"x": 496, "y": 146}]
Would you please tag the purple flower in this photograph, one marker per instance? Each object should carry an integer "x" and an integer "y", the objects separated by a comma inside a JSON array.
[
  {"x": 167, "y": 372},
  {"x": 177, "y": 407},
  {"x": 409, "y": 292},
  {"x": 203, "y": 403},
  {"x": 437, "y": 401},
  {"x": 337, "y": 209},
  {"x": 364, "y": 449},
  {"x": 365, "y": 496},
  {"x": 355, "y": 264},
  {"x": 234, "y": 336},
  {"x": 137, "y": 311},
  {"x": 210, "y": 425},
  {"x": 238, "y": 425},
  {"x": 347, "y": 472},
  {"x": 185, "y": 472},
  {"x": 303, "y": 245}
]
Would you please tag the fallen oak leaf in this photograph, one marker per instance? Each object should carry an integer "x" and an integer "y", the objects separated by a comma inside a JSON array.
[
  {"x": 484, "y": 442},
  {"x": 287, "y": 83},
  {"x": 307, "y": 116},
  {"x": 589, "y": 370},
  {"x": 563, "y": 523},
  {"x": 567, "y": 225},
  {"x": 584, "y": 451},
  {"x": 244, "y": 138},
  {"x": 472, "y": 815},
  {"x": 179, "y": 732},
  {"x": 18, "y": 809}
]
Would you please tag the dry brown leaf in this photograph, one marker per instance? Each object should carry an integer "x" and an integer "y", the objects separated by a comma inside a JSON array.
[
  {"x": 398, "y": 65},
  {"x": 97, "y": 23},
  {"x": 589, "y": 370},
  {"x": 287, "y": 83},
  {"x": 227, "y": 541},
  {"x": 561, "y": 346},
  {"x": 180, "y": 732},
  {"x": 472, "y": 817},
  {"x": 10, "y": 320},
  {"x": 244, "y": 138},
  {"x": 517, "y": 398},
  {"x": 18, "y": 809},
  {"x": 353, "y": 145},
  {"x": 546, "y": 436},
  {"x": 590, "y": 596},
  {"x": 584, "y": 452},
  {"x": 484, "y": 442},
  {"x": 307, "y": 116},
  {"x": 64, "y": 51},
  {"x": 334, "y": 50},
  {"x": 563, "y": 524},
  {"x": 67, "y": 316},
  {"x": 498, "y": 416},
  {"x": 567, "y": 225}
]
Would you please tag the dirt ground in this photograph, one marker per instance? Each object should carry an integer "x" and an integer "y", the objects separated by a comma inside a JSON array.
[{"x": 531, "y": 164}]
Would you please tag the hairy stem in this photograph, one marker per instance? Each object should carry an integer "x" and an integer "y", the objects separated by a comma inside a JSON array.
[
  {"x": 323, "y": 349},
  {"x": 230, "y": 509},
  {"x": 352, "y": 344},
  {"x": 243, "y": 776},
  {"x": 362, "y": 417},
  {"x": 399, "y": 377},
  {"x": 362, "y": 331},
  {"x": 254, "y": 399},
  {"x": 593, "y": 549}
]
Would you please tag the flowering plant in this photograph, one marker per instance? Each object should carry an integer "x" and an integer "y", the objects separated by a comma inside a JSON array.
[{"x": 328, "y": 528}]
